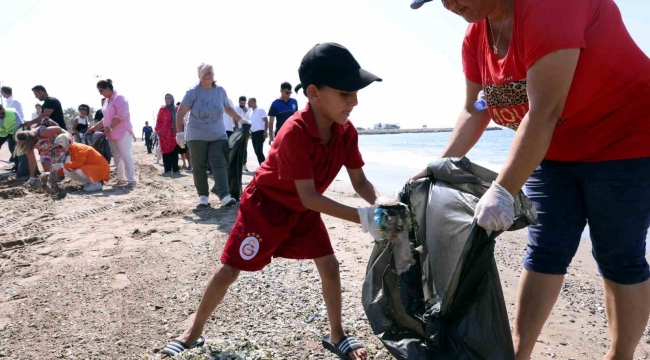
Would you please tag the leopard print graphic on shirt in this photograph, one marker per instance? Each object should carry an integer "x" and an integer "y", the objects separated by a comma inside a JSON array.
[{"x": 508, "y": 103}]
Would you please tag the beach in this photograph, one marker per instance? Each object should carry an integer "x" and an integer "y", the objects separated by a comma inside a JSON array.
[{"x": 117, "y": 274}]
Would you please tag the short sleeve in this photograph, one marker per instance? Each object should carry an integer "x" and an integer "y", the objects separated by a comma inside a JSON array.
[
  {"x": 294, "y": 160},
  {"x": 354, "y": 159},
  {"x": 224, "y": 97},
  {"x": 189, "y": 98},
  {"x": 273, "y": 111},
  {"x": 547, "y": 26},
  {"x": 471, "y": 67},
  {"x": 262, "y": 113},
  {"x": 47, "y": 104}
]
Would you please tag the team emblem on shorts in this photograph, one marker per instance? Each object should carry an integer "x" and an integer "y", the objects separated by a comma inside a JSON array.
[{"x": 250, "y": 246}]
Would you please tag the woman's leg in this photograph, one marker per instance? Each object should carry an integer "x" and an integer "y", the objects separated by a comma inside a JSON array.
[
  {"x": 117, "y": 159},
  {"x": 617, "y": 199},
  {"x": 217, "y": 155},
  {"x": 167, "y": 162},
  {"x": 126, "y": 144},
  {"x": 199, "y": 152},
  {"x": 557, "y": 195},
  {"x": 174, "y": 159}
]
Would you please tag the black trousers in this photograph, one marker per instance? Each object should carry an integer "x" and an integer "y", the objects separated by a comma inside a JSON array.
[
  {"x": 258, "y": 145},
  {"x": 149, "y": 142},
  {"x": 170, "y": 160}
]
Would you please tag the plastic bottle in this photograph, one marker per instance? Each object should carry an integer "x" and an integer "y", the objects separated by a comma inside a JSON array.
[{"x": 480, "y": 103}]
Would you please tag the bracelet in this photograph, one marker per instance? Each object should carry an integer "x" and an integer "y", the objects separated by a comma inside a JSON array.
[{"x": 110, "y": 128}]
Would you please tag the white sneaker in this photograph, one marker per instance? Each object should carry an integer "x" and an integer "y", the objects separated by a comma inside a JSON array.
[
  {"x": 245, "y": 168},
  {"x": 228, "y": 201},
  {"x": 203, "y": 201},
  {"x": 90, "y": 187}
]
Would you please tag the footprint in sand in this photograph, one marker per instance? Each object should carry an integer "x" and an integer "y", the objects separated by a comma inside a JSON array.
[{"x": 120, "y": 281}]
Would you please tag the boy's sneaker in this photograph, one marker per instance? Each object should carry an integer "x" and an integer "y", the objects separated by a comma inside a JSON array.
[
  {"x": 245, "y": 168},
  {"x": 228, "y": 201},
  {"x": 203, "y": 201},
  {"x": 90, "y": 187}
]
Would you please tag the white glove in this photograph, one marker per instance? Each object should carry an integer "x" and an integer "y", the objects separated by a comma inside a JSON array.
[
  {"x": 32, "y": 182},
  {"x": 180, "y": 139},
  {"x": 496, "y": 209},
  {"x": 57, "y": 166},
  {"x": 368, "y": 224}
]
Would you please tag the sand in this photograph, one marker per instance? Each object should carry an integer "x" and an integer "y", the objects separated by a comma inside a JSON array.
[{"x": 117, "y": 274}]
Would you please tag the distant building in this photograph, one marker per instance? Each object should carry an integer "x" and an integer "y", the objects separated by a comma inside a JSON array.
[
  {"x": 377, "y": 126},
  {"x": 390, "y": 126}
]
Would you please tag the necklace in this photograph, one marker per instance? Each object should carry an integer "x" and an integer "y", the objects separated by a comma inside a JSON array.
[{"x": 496, "y": 41}]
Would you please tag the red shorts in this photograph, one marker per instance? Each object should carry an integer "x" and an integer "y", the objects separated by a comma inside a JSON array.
[{"x": 265, "y": 229}]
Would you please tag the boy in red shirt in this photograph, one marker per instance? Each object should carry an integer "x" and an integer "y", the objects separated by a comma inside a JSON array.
[{"x": 279, "y": 214}]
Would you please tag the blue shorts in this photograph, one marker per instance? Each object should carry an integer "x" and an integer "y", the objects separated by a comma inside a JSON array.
[{"x": 612, "y": 196}]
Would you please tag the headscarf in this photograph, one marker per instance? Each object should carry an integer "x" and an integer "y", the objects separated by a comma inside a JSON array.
[
  {"x": 172, "y": 109},
  {"x": 63, "y": 140}
]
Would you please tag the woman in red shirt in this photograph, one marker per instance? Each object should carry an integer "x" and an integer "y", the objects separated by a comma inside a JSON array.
[
  {"x": 567, "y": 76},
  {"x": 166, "y": 130}
]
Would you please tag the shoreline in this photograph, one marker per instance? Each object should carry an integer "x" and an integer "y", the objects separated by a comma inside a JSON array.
[{"x": 415, "y": 131}]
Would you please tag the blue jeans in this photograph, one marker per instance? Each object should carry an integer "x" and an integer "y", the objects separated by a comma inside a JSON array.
[{"x": 612, "y": 196}]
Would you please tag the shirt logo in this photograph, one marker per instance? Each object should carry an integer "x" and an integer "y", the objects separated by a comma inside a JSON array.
[
  {"x": 250, "y": 246},
  {"x": 294, "y": 107}
]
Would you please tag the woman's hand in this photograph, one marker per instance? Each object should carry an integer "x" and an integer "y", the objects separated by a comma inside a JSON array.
[
  {"x": 107, "y": 131},
  {"x": 420, "y": 174}
]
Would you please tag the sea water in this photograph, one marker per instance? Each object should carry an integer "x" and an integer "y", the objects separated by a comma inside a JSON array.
[{"x": 393, "y": 158}]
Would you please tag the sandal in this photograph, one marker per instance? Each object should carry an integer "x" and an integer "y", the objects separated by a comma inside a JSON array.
[
  {"x": 175, "y": 347},
  {"x": 343, "y": 349}
]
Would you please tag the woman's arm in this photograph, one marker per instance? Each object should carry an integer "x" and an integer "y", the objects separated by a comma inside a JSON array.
[
  {"x": 180, "y": 118},
  {"x": 549, "y": 81},
  {"x": 159, "y": 120},
  {"x": 74, "y": 126},
  {"x": 469, "y": 127},
  {"x": 230, "y": 111},
  {"x": 31, "y": 161}
]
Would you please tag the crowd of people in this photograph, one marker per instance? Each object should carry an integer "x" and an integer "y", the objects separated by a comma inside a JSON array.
[{"x": 194, "y": 131}]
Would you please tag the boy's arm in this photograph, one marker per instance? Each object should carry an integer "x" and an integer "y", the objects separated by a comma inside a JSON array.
[
  {"x": 312, "y": 200},
  {"x": 362, "y": 186}
]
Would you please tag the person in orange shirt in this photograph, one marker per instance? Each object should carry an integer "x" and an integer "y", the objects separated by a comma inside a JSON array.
[{"x": 83, "y": 164}]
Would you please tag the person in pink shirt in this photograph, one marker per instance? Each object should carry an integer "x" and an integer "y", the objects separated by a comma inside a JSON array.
[{"x": 119, "y": 132}]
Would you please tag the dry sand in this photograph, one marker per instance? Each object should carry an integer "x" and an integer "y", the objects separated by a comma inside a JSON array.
[{"x": 116, "y": 275}]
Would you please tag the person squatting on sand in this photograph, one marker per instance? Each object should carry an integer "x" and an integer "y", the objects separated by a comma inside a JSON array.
[
  {"x": 82, "y": 163},
  {"x": 41, "y": 139},
  {"x": 206, "y": 136},
  {"x": 581, "y": 148},
  {"x": 280, "y": 211}
]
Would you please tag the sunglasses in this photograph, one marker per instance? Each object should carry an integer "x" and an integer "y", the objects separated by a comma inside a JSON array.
[{"x": 288, "y": 92}]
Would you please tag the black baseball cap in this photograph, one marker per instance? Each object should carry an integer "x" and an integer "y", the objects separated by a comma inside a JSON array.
[
  {"x": 417, "y": 3},
  {"x": 333, "y": 65}
]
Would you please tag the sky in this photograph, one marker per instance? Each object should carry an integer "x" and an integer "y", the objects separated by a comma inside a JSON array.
[{"x": 150, "y": 48}]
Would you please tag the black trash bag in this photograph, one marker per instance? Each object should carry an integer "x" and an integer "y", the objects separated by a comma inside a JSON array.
[
  {"x": 238, "y": 142},
  {"x": 99, "y": 142},
  {"x": 449, "y": 305}
]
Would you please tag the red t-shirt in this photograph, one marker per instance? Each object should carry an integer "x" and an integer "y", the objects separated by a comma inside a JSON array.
[
  {"x": 299, "y": 153},
  {"x": 606, "y": 115}
]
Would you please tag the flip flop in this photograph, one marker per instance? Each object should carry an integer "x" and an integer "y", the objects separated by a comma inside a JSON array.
[
  {"x": 175, "y": 347},
  {"x": 343, "y": 349}
]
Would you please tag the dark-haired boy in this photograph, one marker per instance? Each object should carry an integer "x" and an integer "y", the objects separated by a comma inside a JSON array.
[
  {"x": 282, "y": 108},
  {"x": 280, "y": 211}
]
